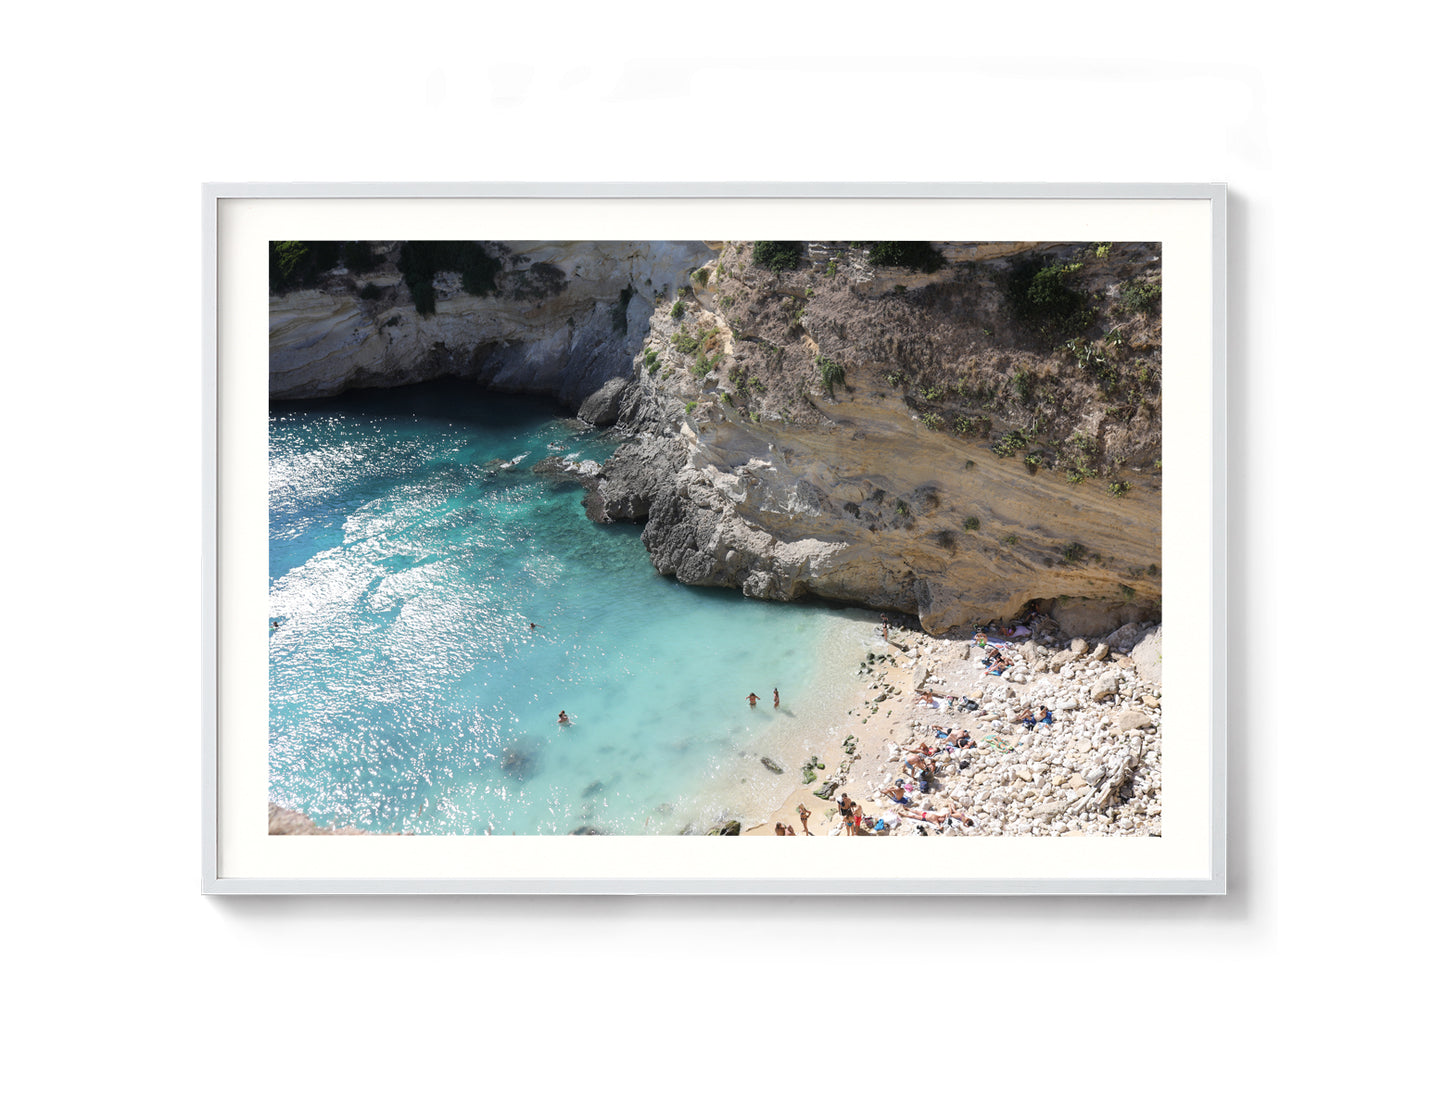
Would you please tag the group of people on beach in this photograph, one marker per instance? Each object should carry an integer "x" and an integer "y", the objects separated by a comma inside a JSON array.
[
  {"x": 921, "y": 762},
  {"x": 856, "y": 822}
]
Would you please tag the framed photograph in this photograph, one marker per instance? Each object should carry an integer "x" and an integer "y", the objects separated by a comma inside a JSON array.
[{"x": 771, "y": 538}]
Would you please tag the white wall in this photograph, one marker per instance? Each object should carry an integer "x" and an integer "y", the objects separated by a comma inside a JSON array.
[{"x": 124, "y": 982}]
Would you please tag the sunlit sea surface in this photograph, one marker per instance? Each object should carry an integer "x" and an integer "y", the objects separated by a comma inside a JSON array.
[{"x": 413, "y": 552}]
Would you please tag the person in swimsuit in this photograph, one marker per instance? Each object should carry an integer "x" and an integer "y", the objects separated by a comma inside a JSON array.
[
  {"x": 563, "y": 720},
  {"x": 775, "y": 698},
  {"x": 779, "y": 831},
  {"x": 752, "y": 699},
  {"x": 804, "y": 814},
  {"x": 896, "y": 792}
]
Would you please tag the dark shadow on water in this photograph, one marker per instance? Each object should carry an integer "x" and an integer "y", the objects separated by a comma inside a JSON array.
[
  {"x": 445, "y": 399},
  {"x": 519, "y": 761}
]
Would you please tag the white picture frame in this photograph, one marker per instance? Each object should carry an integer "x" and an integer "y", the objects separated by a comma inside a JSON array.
[{"x": 1189, "y": 221}]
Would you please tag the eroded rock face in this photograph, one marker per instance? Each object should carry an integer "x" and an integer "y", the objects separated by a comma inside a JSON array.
[
  {"x": 565, "y": 344},
  {"x": 872, "y": 508}
]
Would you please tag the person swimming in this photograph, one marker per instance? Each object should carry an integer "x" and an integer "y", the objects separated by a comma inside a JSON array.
[{"x": 563, "y": 720}]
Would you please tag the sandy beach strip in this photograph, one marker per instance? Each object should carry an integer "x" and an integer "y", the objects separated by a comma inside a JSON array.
[{"x": 1095, "y": 770}]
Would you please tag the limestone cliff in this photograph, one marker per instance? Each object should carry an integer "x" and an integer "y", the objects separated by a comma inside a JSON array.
[
  {"x": 954, "y": 436},
  {"x": 903, "y": 440},
  {"x": 565, "y": 319}
]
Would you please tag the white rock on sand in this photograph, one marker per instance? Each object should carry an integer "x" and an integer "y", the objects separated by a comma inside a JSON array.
[{"x": 1094, "y": 771}]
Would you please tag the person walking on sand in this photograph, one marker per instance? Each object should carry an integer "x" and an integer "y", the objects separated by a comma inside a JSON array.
[
  {"x": 775, "y": 698},
  {"x": 804, "y": 814},
  {"x": 884, "y": 619},
  {"x": 752, "y": 699}
]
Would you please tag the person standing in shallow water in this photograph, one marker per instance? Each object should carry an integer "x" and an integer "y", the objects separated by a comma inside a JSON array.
[
  {"x": 563, "y": 720},
  {"x": 775, "y": 698},
  {"x": 752, "y": 699}
]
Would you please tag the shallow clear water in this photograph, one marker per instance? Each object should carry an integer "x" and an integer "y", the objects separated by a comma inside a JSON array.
[{"x": 409, "y": 689}]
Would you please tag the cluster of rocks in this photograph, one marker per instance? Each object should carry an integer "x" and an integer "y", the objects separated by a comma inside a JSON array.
[
  {"x": 1094, "y": 771},
  {"x": 282, "y": 820}
]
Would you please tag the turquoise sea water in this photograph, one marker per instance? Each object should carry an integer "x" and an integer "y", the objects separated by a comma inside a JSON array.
[{"x": 412, "y": 552}]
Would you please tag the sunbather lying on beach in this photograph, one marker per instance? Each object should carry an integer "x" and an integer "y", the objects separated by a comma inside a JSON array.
[
  {"x": 1031, "y": 718},
  {"x": 924, "y": 748},
  {"x": 938, "y": 818},
  {"x": 997, "y": 663},
  {"x": 959, "y": 738}
]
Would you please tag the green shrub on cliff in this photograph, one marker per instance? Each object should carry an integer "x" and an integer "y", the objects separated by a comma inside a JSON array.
[
  {"x": 1139, "y": 296},
  {"x": 300, "y": 263},
  {"x": 777, "y": 255},
  {"x": 913, "y": 254},
  {"x": 830, "y": 374},
  {"x": 358, "y": 257},
  {"x": 1009, "y": 444},
  {"x": 1044, "y": 295},
  {"x": 421, "y": 260}
]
